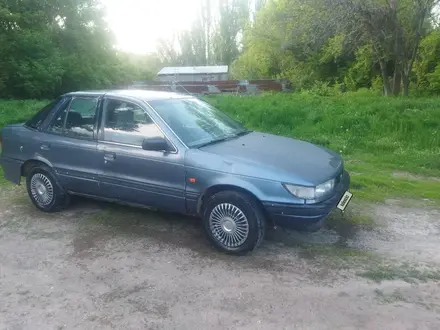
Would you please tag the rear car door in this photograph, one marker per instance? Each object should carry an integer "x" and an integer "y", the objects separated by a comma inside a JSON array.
[
  {"x": 70, "y": 145},
  {"x": 130, "y": 173}
]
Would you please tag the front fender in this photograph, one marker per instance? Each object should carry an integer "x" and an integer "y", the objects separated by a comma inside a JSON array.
[{"x": 203, "y": 180}]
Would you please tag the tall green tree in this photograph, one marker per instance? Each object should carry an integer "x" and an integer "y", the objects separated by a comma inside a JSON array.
[
  {"x": 233, "y": 18},
  {"x": 393, "y": 27},
  {"x": 337, "y": 40},
  {"x": 53, "y": 46}
]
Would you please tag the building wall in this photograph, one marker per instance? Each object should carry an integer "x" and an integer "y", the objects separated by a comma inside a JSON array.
[{"x": 195, "y": 77}]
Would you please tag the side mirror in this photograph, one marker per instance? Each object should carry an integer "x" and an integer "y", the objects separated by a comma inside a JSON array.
[{"x": 155, "y": 144}]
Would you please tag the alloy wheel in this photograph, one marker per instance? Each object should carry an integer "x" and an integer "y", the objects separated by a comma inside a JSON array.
[
  {"x": 229, "y": 225},
  {"x": 41, "y": 189}
]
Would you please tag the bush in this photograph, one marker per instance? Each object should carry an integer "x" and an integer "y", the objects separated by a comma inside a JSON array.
[
  {"x": 321, "y": 88},
  {"x": 377, "y": 84}
]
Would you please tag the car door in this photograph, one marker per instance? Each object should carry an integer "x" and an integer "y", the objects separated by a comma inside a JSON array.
[
  {"x": 130, "y": 173},
  {"x": 70, "y": 145}
]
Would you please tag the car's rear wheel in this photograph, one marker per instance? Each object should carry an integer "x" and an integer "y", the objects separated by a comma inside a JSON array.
[
  {"x": 234, "y": 222},
  {"x": 44, "y": 189}
]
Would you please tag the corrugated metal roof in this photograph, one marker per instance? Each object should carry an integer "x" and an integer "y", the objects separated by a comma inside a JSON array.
[{"x": 193, "y": 70}]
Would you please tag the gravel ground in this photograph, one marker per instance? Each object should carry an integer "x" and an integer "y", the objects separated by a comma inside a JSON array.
[{"x": 102, "y": 266}]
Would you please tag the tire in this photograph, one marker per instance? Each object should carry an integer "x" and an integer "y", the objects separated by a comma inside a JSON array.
[
  {"x": 45, "y": 190},
  {"x": 234, "y": 237}
]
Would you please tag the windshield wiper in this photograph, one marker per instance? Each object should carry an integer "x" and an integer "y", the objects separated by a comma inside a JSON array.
[
  {"x": 225, "y": 138},
  {"x": 215, "y": 141},
  {"x": 243, "y": 132}
]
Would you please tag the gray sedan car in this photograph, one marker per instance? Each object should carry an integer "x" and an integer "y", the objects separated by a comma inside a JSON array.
[{"x": 176, "y": 153}]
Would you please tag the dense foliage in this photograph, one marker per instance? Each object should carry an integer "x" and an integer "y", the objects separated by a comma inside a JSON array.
[
  {"x": 213, "y": 38},
  {"x": 381, "y": 44},
  {"x": 386, "y": 45},
  {"x": 52, "y": 46}
]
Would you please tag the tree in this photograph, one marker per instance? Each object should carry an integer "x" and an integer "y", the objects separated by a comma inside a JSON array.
[
  {"x": 427, "y": 64},
  {"x": 206, "y": 19},
  {"x": 394, "y": 28},
  {"x": 233, "y": 17},
  {"x": 54, "y": 46},
  {"x": 193, "y": 45},
  {"x": 289, "y": 39},
  {"x": 185, "y": 48}
]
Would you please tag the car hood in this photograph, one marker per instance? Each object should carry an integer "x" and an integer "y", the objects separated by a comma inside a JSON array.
[{"x": 277, "y": 158}]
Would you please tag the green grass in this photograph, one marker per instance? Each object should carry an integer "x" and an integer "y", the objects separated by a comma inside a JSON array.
[
  {"x": 377, "y": 136},
  {"x": 12, "y": 112},
  {"x": 410, "y": 273}
]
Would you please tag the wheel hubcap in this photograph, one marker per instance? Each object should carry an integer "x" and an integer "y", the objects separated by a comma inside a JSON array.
[
  {"x": 229, "y": 225},
  {"x": 41, "y": 189}
]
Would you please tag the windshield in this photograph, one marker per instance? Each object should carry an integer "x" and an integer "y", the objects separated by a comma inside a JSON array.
[{"x": 195, "y": 122}]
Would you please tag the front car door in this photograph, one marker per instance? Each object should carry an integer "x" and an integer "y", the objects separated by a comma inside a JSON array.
[
  {"x": 70, "y": 144},
  {"x": 130, "y": 173}
]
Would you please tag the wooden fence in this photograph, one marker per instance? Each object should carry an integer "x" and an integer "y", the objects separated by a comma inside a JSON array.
[{"x": 214, "y": 87}]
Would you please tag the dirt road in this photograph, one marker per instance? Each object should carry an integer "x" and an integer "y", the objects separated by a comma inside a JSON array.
[{"x": 101, "y": 266}]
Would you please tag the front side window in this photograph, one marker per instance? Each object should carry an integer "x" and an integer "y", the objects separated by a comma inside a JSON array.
[
  {"x": 76, "y": 120},
  {"x": 127, "y": 123},
  {"x": 195, "y": 122}
]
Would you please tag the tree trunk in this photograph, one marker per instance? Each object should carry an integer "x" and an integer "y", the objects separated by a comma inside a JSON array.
[
  {"x": 406, "y": 81},
  {"x": 397, "y": 79},
  {"x": 386, "y": 82}
]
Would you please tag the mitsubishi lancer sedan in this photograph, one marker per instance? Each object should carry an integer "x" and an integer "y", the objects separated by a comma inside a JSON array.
[{"x": 176, "y": 153}]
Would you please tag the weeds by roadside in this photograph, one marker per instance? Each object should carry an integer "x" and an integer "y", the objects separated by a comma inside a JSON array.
[
  {"x": 407, "y": 272},
  {"x": 12, "y": 112}
]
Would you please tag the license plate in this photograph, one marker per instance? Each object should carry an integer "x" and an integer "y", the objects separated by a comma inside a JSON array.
[{"x": 344, "y": 200}]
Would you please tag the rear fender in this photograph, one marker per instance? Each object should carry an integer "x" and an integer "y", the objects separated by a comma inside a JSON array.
[
  {"x": 37, "y": 159},
  {"x": 12, "y": 170}
]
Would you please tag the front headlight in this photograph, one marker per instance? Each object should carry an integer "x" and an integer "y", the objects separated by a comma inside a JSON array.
[
  {"x": 301, "y": 191},
  {"x": 324, "y": 188},
  {"x": 311, "y": 192}
]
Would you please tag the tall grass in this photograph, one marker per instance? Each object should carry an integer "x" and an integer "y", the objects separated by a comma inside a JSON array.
[
  {"x": 399, "y": 133},
  {"x": 12, "y": 112}
]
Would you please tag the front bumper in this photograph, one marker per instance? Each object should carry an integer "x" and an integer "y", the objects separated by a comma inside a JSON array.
[{"x": 308, "y": 217}]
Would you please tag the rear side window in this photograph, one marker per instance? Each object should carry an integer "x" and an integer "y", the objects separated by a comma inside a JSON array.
[
  {"x": 41, "y": 115},
  {"x": 77, "y": 120}
]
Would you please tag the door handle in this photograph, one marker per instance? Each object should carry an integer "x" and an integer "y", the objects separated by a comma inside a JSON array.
[
  {"x": 108, "y": 156},
  {"x": 45, "y": 147}
]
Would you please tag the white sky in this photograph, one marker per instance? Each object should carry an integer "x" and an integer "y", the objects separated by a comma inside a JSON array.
[{"x": 138, "y": 24}]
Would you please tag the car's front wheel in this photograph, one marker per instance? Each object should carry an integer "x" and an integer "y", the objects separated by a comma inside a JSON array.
[
  {"x": 234, "y": 222},
  {"x": 44, "y": 189}
]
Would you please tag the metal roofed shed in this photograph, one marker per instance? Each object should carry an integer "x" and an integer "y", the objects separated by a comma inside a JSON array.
[{"x": 194, "y": 73}]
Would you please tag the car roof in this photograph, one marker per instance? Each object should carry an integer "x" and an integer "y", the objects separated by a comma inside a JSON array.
[{"x": 139, "y": 94}]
